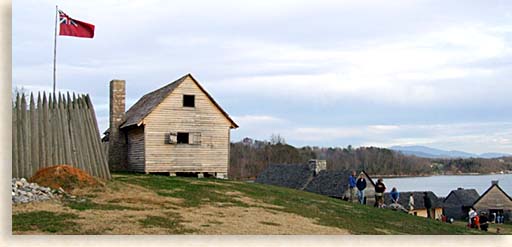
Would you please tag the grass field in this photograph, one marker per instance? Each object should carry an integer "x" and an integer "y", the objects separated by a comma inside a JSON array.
[{"x": 150, "y": 204}]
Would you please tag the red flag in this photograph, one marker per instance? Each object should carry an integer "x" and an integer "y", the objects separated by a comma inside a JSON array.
[{"x": 72, "y": 27}]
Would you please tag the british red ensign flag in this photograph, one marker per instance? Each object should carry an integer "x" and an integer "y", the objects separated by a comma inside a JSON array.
[{"x": 76, "y": 28}]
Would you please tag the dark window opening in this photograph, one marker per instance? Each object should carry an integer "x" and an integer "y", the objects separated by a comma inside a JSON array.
[
  {"x": 189, "y": 101},
  {"x": 182, "y": 138}
]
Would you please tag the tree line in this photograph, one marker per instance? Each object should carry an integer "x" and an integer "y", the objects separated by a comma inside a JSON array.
[{"x": 250, "y": 157}]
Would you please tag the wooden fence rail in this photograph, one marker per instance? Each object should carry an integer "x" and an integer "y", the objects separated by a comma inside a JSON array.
[{"x": 58, "y": 129}]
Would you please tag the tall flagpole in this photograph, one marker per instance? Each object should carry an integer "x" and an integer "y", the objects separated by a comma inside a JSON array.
[{"x": 55, "y": 47}]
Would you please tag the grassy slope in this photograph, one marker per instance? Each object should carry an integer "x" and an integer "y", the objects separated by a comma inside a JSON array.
[{"x": 357, "y": 219}]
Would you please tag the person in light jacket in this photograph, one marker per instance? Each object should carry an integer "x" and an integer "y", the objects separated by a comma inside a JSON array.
[
  {"x": 471, "y": 217},
  {"x": 411, "y": 202},
  {"x": 361, "y": 185}
]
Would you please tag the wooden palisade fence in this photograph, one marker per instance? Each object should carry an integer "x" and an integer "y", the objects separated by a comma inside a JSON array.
[{"x": 56, "y": 130}]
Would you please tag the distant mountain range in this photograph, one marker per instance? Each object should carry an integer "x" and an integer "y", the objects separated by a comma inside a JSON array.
[{"x": 427, "y": 152}]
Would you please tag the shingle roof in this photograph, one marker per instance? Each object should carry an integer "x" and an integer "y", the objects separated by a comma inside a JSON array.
[
  {"x": 329, "y": 183},
  {"x": 465, "y": 197},
  {"x": 286, "y": 175},
  {"x": 418, "y": 199},
  {"x": 489, "y": 189},
  {"x": 150, "y": 101}
]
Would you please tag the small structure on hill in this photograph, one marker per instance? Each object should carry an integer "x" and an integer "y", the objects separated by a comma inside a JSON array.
[
  {"x": 314, "y": 178},
  {"x": 457, "y": 203},
  {"x": 419, "y": 206},
  {"x": 495, "y": 200},
  {"x": 176, "y": 128}
]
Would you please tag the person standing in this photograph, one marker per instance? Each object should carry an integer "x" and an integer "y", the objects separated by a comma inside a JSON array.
[
  {"x": 428, "y": 204},
  {"x": 484, "y": 221},
  {"x": 361, "y": 185},
  {"x": 411, "y": 201},
  {"x": 379, "y": 193},
  {"x": 471, "y": 217},
  {"x": 352, "y": 185},
  {"x": 477, "y": 221},
  {"x": 394, "y": 195}
]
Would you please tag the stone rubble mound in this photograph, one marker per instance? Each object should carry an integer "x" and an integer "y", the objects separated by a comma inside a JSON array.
[{"x": 25, "y": 192}]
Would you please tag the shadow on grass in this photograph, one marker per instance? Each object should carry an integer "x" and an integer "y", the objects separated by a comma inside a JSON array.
[{"x": 45, "y": 221}]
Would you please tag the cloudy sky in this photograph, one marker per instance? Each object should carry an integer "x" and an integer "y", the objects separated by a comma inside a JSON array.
[{"x": 324, "y": 73}]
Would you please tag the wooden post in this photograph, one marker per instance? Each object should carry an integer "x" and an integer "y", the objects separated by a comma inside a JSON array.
[
  {"x": 75, "y": 132},
  {"x": 58, "y": 130},
  {"x": 25, "y": 137},
  {"x": 62, "y": 137},
  {"x": 83, "y": 140},
  {"x": 15, "y": 155},
  {"x": 102, "y": 155},
  {"x": 91, "y": 137},
  {"x": 72, "y": 140},
  {"x": 40, "y": 111},
  {"x": 46, "y": 135},
  {"x": 65, "y": 131},
  {"x": 33, "y": 136}
]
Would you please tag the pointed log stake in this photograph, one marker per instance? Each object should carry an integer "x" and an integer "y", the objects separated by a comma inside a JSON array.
[{"x": 33, "y": 136}]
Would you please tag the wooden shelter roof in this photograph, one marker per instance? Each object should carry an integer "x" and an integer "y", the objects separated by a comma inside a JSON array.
[{"x": 150, "y": 101}]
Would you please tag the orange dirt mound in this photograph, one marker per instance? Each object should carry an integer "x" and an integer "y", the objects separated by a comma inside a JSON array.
[{"x": 64, "y": 176}]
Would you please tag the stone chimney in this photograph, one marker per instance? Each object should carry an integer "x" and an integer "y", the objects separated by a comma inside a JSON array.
[
  {"x": 117, "y": 139},
  {"x": 317, "y": 165}
]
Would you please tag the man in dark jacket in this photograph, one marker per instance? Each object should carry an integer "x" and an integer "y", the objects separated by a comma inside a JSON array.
[
  {"x": 427, "y": 203},
  {"x": 361, "y": 185},
  {"x": 352, "y": 185},
  {"x": 379, "y": 193},
  {"x": 484, "y": 221}
]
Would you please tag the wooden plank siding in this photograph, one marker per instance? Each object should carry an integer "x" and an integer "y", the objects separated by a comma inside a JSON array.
[
  {"x": 210, "y": 155},
  {"x": 423, "y": 212},
  {"x": 135, "y": 145}
]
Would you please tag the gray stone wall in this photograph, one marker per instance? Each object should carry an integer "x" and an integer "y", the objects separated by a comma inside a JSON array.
[{"x": 117, "y": 139}]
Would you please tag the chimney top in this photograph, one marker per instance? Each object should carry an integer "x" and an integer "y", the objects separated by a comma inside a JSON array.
[
  {"x": 460, "y": 188},
  {"x": 493, "y": 182}
]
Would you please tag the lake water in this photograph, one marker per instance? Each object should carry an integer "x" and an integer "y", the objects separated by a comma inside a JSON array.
[{"x": 442, "y": 185}]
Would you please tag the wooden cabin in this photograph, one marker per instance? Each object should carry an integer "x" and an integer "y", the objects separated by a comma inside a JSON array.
[
  {"x": 495, "y": 200},
  {"x": 178, "y": 128},
  {"x": 419, "y": 206},
  {"x": 457, "y": 203}
]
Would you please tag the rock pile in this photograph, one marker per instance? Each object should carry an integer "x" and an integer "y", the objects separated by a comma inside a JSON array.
[{"x": 24, "y": 192}]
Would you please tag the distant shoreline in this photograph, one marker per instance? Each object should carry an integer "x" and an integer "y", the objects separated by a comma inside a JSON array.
[{"x": 431, "y": 175}]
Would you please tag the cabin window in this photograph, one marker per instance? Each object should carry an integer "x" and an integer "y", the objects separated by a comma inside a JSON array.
[
  {"x": 189, "y": 101},
  {"x": 183, "y": 138}
]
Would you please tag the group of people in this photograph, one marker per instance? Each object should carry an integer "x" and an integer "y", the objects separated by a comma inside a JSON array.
[
  {"x": 359, "y": 184},
  {"x": 478, "y": 221},
  {"x": 497, "y": 218}
]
